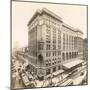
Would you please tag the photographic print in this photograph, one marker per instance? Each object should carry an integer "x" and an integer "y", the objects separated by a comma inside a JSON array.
[{"x": 49, "y": 45}]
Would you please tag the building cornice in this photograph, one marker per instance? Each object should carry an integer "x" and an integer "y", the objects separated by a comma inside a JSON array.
[
  {"x": 71, "y": 28},
  {"x": 38, "y": 12},
  {"x": 46, "y": 11},
  {"x": 78, "y": 30}
]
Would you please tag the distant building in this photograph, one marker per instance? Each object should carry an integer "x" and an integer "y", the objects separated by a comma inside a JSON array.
[{"x": 52, "y": 43}]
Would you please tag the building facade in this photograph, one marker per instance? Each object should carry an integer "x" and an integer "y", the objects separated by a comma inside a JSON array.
[{"x": 51, "y": 43}]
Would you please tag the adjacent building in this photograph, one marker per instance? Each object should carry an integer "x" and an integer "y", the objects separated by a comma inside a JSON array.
[
  {"x": 52, "y": 43},
  {"x": 85, "y": 52}
]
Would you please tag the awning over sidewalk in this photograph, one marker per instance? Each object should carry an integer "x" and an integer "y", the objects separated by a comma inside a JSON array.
[
  {"x": 72, "y": 64},
  {"x": 58, "y": 72}
]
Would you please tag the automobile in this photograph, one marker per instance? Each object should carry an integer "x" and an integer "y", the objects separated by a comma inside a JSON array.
[
  {"x": 30, "y": 77},
  {"x": 82, "y": 73},
  {"x": 25, "y": 79},
  {"x": 84, "y": 63},
  {"x": 67, "y": 82},
  {"x": 31, "y": 85},
  {"x": 57, "y": 84}
]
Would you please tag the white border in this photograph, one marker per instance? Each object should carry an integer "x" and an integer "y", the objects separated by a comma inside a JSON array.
[{"x": 5, "y": 44}]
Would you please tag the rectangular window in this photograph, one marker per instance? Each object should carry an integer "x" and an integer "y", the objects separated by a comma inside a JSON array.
[
  {"x": 63, "y": 41},
  {"x": 49, "y": 54},
  {"x": 59, "y": 67},
  {"x": 47, "y": 71},
  {"x": 46, "y": 47},
  {"x": 54, "y": 47},
  {"x": 46, "y": 54},
  {"x": 59, "y": 41},
  {"x": 59, "y": 47},
  {"x": 48, "y": 41},
  {"x": 49, "y": 64},
  {"x": 59, "y": 52},
  {"x": 54, "y": 41},
  {"x": 46, "y": 65},
  {"x": 49, "y": 47},
  {"x": 40, "y": 46},
  {"x": 55, "y": 53},
  {"x": 54, "y": 69}
]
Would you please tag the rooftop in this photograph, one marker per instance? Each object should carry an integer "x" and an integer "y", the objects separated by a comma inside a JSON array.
[
  {"x": 44, "y": 10},
  {"x": 50, "y": 13}
]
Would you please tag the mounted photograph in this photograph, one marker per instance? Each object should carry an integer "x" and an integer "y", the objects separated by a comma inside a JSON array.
[{"x": 49, "y": 44}]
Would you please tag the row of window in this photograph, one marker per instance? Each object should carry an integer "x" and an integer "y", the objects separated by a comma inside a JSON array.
[
  {"x": 40, "y": 46},
  {"x": 48, "y": 71},
  {"x": 69, "y": 42},
  {"x": 54, "y": 53},
  {"x": 49, "y": 64},
  {"x": 48, "y": 41},
  {"x": 51, "y": 21},
  {"x": 48, "y": 35},
  {"x": 53, "y": 61},
  {"x": 48, "y": 47},
  {"x": 59, "y": 38},
  {"x": 66, "y": 56},
  {"x": 80, "y": 44}
]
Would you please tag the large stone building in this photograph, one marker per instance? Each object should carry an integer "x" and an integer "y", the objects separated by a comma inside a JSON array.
[{"x": 52, "y": 43}]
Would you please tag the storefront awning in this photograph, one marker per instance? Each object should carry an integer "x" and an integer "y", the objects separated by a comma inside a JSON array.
[
  {"x": 72, "y": 64},
  {"x": 58, "y": 72}
]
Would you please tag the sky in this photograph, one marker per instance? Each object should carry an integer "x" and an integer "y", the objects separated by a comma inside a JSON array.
[{"x": 73, "y": 15}]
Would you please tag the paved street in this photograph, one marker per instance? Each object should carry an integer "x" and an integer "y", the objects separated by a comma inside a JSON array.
[{"x": 58, "y": 80}]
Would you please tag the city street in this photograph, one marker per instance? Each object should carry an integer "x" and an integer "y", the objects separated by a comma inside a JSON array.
[{"x": 59, "y": 80}]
